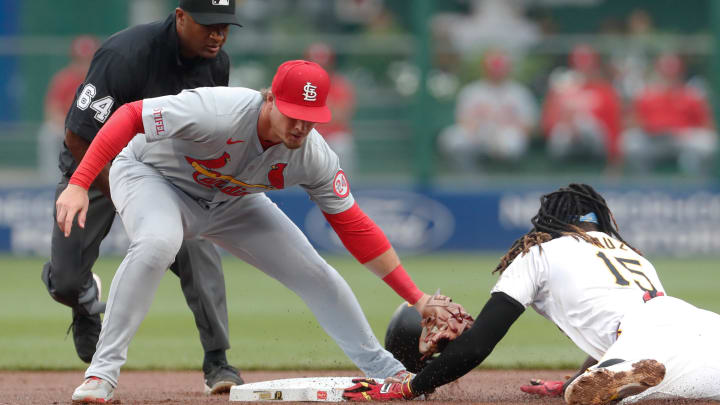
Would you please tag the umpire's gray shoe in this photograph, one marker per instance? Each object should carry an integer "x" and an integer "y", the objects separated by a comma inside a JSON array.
[
  {"x": 93, "y": 390},
  {"x": 220, "y": 377},
  {"x": 614, "y": 380}
]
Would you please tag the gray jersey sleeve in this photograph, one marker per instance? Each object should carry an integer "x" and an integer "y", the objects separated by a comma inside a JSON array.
[
  {"x": 189, "y": 115},
  {"x": 327, "y": 184}
]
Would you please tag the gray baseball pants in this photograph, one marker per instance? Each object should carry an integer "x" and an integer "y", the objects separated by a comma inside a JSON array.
[
  {"x": 157, "y": 216},
  {"x": 68, "y": 274}
]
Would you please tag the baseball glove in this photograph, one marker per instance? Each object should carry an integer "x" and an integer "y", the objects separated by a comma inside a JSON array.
[{"x": 443, "y": 321}]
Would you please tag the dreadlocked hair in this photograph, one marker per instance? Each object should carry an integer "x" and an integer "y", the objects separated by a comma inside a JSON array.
[{"x": 558, "y": 215}]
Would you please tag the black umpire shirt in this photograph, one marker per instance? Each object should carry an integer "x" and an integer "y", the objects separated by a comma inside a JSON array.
[{"x": 137, "y": 63}]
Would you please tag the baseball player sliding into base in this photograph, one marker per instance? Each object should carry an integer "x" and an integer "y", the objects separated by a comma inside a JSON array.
[
  {"x": 199, "y": 166},
  {"x": 575, "y": 269}
]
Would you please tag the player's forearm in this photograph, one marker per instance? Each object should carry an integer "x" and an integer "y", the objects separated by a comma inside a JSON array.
[
  {"x": 472, "y": 347},
  {"x": 384, "y": 264},
  {"x": 387, "y": 266},
  {"x": 123, "y": 125},
  {"x": 78, "y": 147},
  {"x": 360, "y": 235},
  {"x": 369, "y": 245}
]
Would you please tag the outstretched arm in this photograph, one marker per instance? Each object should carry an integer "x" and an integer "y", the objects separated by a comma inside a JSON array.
[
  {"x": 459, "y": 357},
  {"x": 443, "y": 320},
  {"x": 369, "y": 245},
  {"x": 472, "y": 347},
  {"x": 124, "y": 124}
]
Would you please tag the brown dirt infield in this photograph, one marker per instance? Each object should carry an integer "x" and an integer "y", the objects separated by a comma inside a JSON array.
[{"x": 185, "y": 387}]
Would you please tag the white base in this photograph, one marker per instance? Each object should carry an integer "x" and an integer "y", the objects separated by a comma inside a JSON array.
[{"x": 312, "y": 389}]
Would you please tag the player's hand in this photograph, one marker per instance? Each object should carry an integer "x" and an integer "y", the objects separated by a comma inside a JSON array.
[
  {"x": 443, "y": 306},
  {"x": 443, "y": 321},
  {"x": 72, "y": 201},
  {"x": 367, "y": 389},
  {"x": 544, "y": 388}
]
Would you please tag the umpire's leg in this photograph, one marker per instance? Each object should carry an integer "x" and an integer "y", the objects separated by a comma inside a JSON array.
[
  {"x": 68, "y": 274},
  {"x": 198, "y": 264}
]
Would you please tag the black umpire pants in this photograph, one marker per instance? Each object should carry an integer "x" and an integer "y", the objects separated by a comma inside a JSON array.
[{"x": 68, "y": 274}]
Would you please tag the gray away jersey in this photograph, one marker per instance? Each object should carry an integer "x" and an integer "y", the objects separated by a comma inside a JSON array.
[{"x": 205, "y": 142}]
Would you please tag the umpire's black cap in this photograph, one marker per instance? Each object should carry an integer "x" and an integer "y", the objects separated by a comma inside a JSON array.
[{"x": 211, "y": 12}]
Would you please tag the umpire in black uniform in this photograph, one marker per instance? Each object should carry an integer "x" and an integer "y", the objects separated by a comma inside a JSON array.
[{"x": 150, "y": 60}]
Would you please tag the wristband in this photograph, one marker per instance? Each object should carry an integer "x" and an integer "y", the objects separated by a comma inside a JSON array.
[{"x": 400, "y": 281}]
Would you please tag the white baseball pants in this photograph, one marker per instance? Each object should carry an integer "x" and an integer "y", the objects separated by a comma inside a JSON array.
[{"x": 682, "y": 337}]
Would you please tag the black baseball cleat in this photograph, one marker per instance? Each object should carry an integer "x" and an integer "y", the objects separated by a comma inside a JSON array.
[
  {"x": 614, "y": 380},
  {"x": 220, "y": 377},
  {"x": 86, "y": 331},
  {"x": 86, "y": 328}
]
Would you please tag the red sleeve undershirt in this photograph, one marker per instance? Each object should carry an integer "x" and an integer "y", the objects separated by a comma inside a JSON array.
[
  {"x": 366, "y": 241},
  {"x": 360, "y": 235},
  {"x": 123, "y": 125}
]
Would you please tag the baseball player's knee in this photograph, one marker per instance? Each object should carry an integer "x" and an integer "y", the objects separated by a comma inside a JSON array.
[
  {"x": 68, "y": 290},
  {"x": 314, "y": 278},
  {"x": 160, "y": 248},
  {"x": 325, "y": 278}
]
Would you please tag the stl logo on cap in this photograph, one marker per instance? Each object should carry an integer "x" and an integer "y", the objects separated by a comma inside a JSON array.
[
  {"x": 301, "y": 89},
  {"x": 309, "y": 93},
  {"x": 221, "y": 2}
]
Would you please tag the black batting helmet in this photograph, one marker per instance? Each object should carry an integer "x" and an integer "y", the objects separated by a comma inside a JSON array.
[{"x": 403, "y": 336}]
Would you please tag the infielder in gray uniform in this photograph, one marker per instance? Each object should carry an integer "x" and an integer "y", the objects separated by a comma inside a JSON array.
[
  {"x": 149, "y": 60},
  {"x": 201, "y": 168}
]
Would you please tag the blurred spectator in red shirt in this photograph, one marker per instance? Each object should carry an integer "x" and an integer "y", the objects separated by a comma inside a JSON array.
[
  {"x": 671, "y": 120},
  {"x": 494, "y": 117},
  {"x": 341, "y": 100},
  {"x": 582, "y": 111},
  {"x": 59, "y": 97}
]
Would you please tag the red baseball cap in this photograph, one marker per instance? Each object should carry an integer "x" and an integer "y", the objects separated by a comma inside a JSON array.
[{"x": 301, "y": 88}]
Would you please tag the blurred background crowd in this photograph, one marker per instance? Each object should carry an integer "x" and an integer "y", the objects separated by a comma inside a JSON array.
[{"x": 424, "y": 91}]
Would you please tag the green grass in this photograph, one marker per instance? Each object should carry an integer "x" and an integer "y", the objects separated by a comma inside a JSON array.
[{"x": 270, "y": 328}]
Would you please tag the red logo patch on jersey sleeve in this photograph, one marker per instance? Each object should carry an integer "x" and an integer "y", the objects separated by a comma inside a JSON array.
[
  {"x": 341, "y": 186},
  {"x": 322, "y": 395}
]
